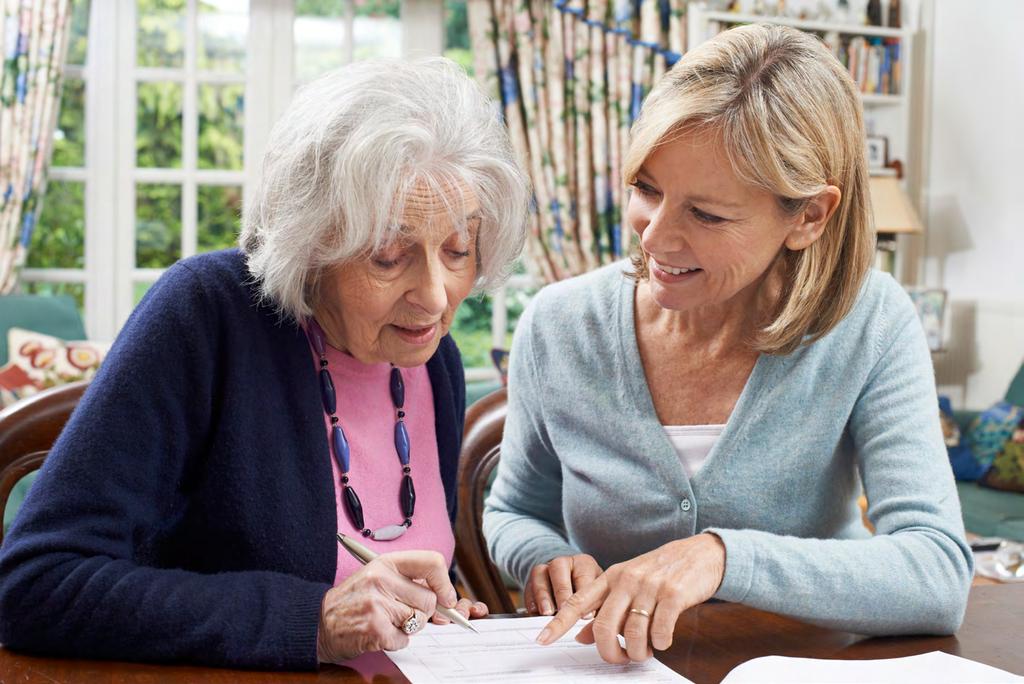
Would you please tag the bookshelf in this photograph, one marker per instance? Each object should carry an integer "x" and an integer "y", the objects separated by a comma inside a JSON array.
[{"x": 889, "y": 94}]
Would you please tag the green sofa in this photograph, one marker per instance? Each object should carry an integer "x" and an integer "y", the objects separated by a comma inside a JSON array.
[
  {"x": 990, "y": 512},
  {"x": 55, "y": 315}
]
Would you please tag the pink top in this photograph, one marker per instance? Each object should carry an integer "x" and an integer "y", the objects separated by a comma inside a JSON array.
[{"x": 367, "y": 416}]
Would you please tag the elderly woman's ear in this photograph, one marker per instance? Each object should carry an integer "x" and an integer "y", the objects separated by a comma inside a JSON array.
[{"x": 813, "y": 218}]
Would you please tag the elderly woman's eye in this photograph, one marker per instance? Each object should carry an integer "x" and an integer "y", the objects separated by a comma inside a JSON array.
[
  {"x": 459, "y": 254},
  {"x": 385, "y": 263}
]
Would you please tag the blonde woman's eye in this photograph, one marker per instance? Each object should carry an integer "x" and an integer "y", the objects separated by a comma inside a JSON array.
[
  {"x": 643, "y": 188},
  {"x": 705, "y": 217}
]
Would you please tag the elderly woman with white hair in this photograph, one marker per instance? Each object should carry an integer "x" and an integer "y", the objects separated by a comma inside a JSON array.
[
  {"x": 259, "y": 401},
  {"x": 736, "y": 386}
]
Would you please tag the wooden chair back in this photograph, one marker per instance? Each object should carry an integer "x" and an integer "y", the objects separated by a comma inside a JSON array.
[
  {"x": 28, "y": 429},
  {"x": 481, "y": 448}
]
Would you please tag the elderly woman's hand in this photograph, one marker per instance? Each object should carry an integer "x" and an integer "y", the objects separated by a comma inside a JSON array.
[
  {"x": 366, "y": 612},
  {"x": 467, "y": 608},
  {"x": 552, "y": 583},
  {"x": 642, "y": 598}
]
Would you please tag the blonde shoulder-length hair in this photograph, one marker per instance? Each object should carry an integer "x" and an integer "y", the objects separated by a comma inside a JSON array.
[{"x": 790, "y": 120}]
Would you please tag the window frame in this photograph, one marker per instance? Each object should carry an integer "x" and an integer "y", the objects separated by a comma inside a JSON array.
[{"x": 110, "y": 77}]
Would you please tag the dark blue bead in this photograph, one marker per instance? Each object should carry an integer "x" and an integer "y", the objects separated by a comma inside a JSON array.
[
  {"x": 397, "y": 388},
  {"x": 341, "y": 452},
  {"x": 354, "y": 508},
  {"x": 402, "y": 442},
  {"x": 408, "y": 496},
  {"x": 327, "y": 391}
]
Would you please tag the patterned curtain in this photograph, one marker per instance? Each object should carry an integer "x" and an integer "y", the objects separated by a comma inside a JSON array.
[
  {"x": 34, "y": 42},
  {"x": 570, "y": 76}
]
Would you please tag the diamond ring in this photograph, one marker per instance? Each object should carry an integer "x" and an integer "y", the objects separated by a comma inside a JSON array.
[{"x": 412, "y": 625}]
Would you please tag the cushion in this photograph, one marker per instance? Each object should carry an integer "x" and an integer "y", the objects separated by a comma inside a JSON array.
[
  {"x": 984, "y": 439},
  {"x": 1007, "y": 471},
  {"x": 39, "y": 361},
  {"x": 54, "y": 315}
]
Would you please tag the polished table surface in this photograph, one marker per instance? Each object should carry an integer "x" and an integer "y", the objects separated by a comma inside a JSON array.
[{"x": 711, "y": 639}]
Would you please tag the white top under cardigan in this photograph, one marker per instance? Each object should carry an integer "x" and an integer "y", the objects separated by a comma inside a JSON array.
[
  {"x": 586, "y": 466},
  {"x": 693, "y": 443}
]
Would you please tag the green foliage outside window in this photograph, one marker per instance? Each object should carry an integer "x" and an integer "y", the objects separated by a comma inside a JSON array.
[
  {"x": 69, "y": 138},
  {"x": 472, "y": 326},
  {"x": 158, "y": 125},
  {"x": 59, "y": 238},
  {"x": 157, "y": 225}
]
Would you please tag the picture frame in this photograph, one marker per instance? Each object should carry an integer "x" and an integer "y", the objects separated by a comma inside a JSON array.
[
  {"x": 876, "y": 150},
  {"x": 931, "y": 309}
]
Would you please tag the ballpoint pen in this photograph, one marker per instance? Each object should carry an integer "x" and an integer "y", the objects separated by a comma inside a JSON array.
[{"x": 365, "y": 555}]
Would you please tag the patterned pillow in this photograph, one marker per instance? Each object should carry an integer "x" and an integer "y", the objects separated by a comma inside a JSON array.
[
  {"x": 1007, "y": 471},
  {"x": 39, "y": 361},
  {"x": 984, "y": 439}
]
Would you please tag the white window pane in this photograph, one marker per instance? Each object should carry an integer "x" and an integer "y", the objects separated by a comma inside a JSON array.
[
  {"x": 160, "y": 41},
  {"x": 58, "y": 238},
  {"x": 77, "y": 40},
  {"x": 220, "y": 216},
  {"x": 69, "y": 137},
  {"x": 158, "y": 125},
  {"x": 222, "y": 35},
  {"x": 157, "y": 225},
  {"x": 377, "y": 36},
  {"x": 319, "y": 45},
  {"x": 221, "y": 126}
]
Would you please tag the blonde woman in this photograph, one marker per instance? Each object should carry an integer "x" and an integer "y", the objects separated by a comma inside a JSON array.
[{"x": 734, "y": 389}]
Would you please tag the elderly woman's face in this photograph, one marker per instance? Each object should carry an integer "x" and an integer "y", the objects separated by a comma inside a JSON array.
[
  {"x": 397, "y": 304},
  {"x": 708, "y": 234}
]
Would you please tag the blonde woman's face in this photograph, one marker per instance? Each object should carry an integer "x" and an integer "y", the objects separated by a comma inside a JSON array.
[
  {"x": 709, "y": 235},
  {"x": 397, "y": 304}
]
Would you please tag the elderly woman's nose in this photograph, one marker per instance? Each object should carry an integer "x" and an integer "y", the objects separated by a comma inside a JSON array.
[{"x": 430, "y": 292}]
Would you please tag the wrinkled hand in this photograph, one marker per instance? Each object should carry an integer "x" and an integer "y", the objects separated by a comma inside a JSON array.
[
  {"x": 552, "y": 583},
  {"x": 366, "y": 611},
  {"x": 664, "y": 582},
  {"x": 465, "y": 607}
]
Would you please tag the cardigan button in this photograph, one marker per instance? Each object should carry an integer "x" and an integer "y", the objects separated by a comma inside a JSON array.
[{"x": 685, "y": 505}]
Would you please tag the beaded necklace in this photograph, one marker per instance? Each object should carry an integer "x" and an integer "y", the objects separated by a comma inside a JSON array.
[{"x": 340, "y": 449}]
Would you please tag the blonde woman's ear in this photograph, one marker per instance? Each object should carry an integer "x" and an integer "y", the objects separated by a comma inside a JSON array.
[{"x": 813, "y": 219}]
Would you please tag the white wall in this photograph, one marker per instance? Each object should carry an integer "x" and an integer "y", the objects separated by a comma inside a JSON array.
[{"x": 974, "y": 198}]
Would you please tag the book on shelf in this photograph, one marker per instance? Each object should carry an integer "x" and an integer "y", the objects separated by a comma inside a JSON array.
[{"x": 885, "y": 255}]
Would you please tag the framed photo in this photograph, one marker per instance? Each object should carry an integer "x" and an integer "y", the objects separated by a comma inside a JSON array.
[
  {"x": 876, "y": 149},
  {"x": 931, "y": 308}
]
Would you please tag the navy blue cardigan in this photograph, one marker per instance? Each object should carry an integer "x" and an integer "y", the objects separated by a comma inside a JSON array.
[{"x": 187, "y": 511}]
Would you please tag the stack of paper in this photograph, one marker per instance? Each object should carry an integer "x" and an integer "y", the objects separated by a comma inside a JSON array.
[{"x": 505, "y": 652}]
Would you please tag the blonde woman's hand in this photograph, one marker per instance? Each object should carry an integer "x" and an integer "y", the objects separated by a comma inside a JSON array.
[
  {"x": 663, "y": 583},
  {"x": 366, "y": 612},
  {"x": 552, "y": 583}
]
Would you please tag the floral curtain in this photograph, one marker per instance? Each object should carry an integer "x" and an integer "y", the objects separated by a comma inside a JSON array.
[
  {"x": 570, "y": 76},
  {"x": 34, "y": 45}
]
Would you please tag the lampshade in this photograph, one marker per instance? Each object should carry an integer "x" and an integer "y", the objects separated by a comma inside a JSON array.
[{"x": 893, "y": 210}]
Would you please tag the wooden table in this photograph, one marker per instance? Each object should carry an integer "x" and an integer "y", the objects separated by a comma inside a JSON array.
[{"x": 711, "y": 639}]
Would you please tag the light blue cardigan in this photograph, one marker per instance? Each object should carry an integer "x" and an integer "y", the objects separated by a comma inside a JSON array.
[{"x": 586, "y": 466}]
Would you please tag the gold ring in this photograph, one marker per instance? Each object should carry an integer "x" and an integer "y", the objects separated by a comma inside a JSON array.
[{"x": 640, "y": 611}]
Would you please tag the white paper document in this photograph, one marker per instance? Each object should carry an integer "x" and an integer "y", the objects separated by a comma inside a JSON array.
[
  {"x": 928, "y": 668},
  {"x": 506, "y": 651}
]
